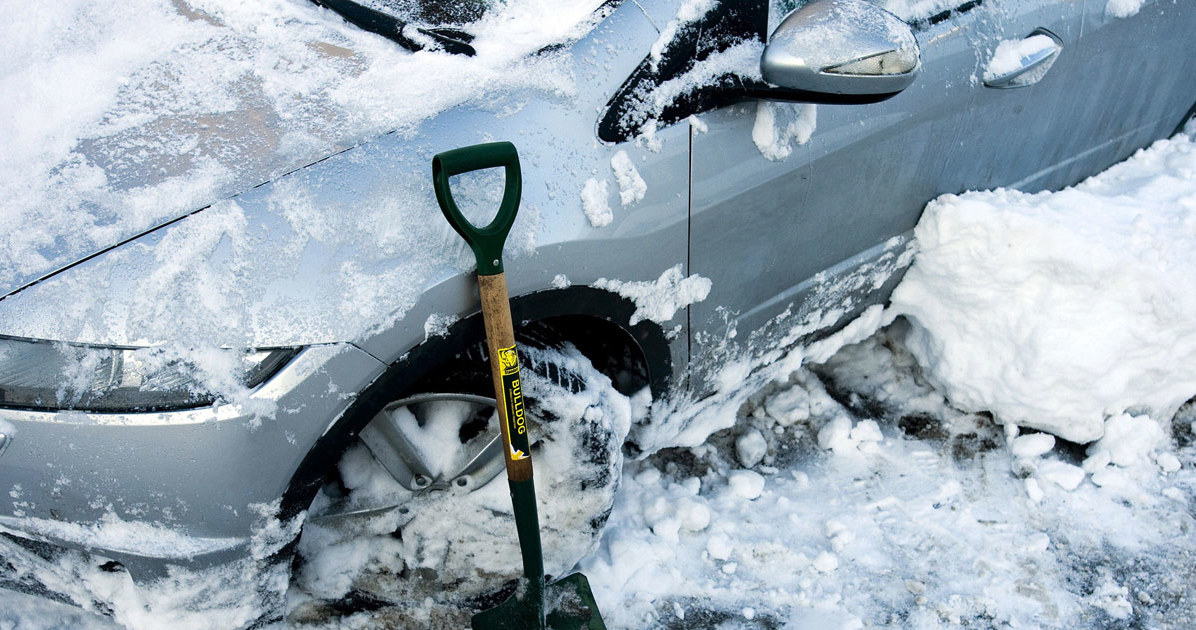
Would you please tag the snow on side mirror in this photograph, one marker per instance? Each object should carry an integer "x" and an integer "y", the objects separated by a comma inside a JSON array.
[{"x": 849, "y": 47}]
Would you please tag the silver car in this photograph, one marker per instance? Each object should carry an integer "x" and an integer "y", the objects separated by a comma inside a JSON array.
[{"x": 713, "y": 181}]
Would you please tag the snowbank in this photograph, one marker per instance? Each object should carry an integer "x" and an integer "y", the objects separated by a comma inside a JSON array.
[{"x": 1058, "y": 310}]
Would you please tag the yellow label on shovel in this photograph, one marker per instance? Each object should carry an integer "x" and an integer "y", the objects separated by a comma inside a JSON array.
[{"x": 512, "y": 401}]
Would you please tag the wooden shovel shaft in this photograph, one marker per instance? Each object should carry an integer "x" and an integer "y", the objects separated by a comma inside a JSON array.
[{"x": 504, "y": 369}]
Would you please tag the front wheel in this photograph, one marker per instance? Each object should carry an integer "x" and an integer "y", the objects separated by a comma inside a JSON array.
[{"x": 418, "y": 509}]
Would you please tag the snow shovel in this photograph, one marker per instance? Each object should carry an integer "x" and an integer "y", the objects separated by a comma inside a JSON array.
[{"x": 566, "y": 604}]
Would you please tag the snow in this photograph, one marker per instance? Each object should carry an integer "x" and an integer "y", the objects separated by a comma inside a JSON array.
[
  {"x": 1033, "y": 445},
  {"x": 1056, "y": 311},
  {"x": 1010, "y": 52},
  {"x": 688, "y": 12},
  {"x": 745, "y": 484},
  {"x": 862, "y": 480},
  {"x": 779, "y": 125},
  {"x": 631, "y": 186},
  {"x": 1128, "y": 440},
  {"x": 1123, "y": 8},
  {"x": 650, "y": 103},
  {"x": 750, "y": 448},
  {"x": 114, "y": 534},
  {"x": 658, "y": 301},
  {"x": 437, "y": 324},
  {"x": 119, "y": 117},
  {"x": 928, "y": 530},
  {"x": 593, "y": 203}
]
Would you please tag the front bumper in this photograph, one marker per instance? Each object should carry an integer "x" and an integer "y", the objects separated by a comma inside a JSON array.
[{"x": 158, "y": 490}]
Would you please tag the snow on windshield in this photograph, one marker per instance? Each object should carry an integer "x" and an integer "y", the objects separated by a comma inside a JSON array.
[{"x": 120, "y": 116}]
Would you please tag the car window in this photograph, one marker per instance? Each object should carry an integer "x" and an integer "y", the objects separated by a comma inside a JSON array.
[{"x": 695, "y": 71}]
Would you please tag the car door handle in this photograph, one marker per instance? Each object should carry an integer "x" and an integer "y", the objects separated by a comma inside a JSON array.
[{"x": 1021, "y": 63}]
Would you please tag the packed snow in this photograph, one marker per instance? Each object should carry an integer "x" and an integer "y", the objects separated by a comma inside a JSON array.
[
  {"x": 658, "y": 301},
  {"x": 688, "y": 12},
  {"x": 593, "y": 202},
  {"x": 632, "y": 187},
  {"x": 1059, "y": 310}
]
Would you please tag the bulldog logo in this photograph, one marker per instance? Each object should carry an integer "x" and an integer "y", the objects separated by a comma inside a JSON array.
[{"x": 508, "y": 358}]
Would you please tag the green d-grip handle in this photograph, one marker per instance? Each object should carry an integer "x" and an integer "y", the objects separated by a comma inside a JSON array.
[{"x": 486, "y": 242}]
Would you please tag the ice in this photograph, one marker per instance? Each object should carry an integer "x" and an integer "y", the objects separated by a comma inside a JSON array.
[
  {"x": 593, "y": 203},
  {"x": 658, "y": 301},
  {"x": 631, "y": 186}
]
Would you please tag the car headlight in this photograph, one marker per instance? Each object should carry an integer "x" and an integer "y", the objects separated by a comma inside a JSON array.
[{"x": 37, "y": 374}]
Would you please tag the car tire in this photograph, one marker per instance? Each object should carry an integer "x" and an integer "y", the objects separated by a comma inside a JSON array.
[{"x": 458, "y": 545}]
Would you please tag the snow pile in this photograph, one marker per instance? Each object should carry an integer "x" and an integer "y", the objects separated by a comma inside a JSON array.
[
  {"x": 658, "y": 301},
  {"x": 1059, "y": 310},
  {"x": 924, "y": 527}
]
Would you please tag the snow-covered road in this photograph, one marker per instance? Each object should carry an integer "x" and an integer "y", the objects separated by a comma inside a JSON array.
[{"x": 896, "y": 483}]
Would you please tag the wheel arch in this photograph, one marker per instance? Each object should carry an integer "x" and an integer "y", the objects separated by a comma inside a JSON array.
[{"x": 605, "y": 311}]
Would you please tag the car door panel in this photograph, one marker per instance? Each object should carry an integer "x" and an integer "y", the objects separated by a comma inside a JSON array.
[{"x": 763, "y": 230}]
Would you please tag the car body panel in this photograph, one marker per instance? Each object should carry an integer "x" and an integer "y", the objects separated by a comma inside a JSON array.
[{"x": 195, "y": 472}]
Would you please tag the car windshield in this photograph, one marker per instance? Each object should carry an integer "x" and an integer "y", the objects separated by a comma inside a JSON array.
[{"x": 431, "y": 12}]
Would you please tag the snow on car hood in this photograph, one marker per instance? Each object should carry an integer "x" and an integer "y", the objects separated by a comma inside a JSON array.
[{"x": 119, "y": 117}]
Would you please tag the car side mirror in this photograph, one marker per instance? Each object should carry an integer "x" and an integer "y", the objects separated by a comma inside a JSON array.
[{"x": 833, "y": 50}]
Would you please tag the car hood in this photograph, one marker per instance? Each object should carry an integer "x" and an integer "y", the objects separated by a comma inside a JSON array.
[{"x": 123, "y": 117}]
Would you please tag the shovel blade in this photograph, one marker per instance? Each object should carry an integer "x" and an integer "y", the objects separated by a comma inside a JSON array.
[{"x": 568, "y": 604}]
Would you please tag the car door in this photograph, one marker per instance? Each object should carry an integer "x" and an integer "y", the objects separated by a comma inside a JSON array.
[
  {"x": 1116, "y": 84},
  {"x": 803, "y": 211}
]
